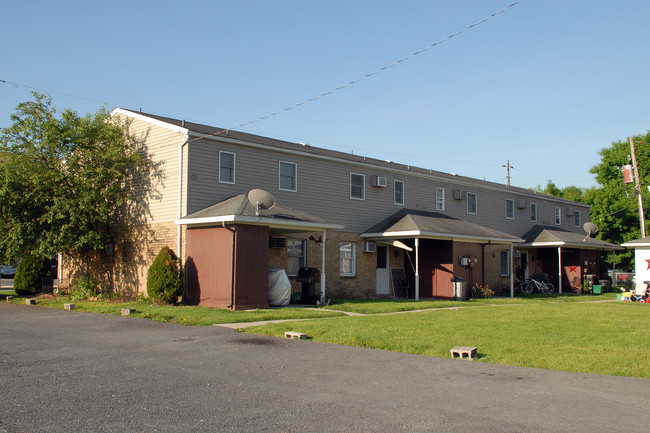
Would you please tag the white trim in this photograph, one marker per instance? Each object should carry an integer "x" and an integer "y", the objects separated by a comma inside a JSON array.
[
  {"x": 441, "y": 236},
  {"x": 475, "y": 203},
  {"x": 395, "y": 192},
  {"x": 234, "y": 167},
  {"x": 442, "y": 190},
  {"x": 509, "y": 200},
  {"x": 364, "y": 186},
  {"x": 354, "y": 259},
  {"x": 295, "y": 166},
  {"x": 254, "y": 220},
  {"x": 148, "y": 119}
]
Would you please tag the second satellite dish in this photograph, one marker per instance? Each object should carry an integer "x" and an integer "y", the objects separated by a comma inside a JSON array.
[
  {"x": 261, "y": 200},
  {"x": 590, "y": 228}
]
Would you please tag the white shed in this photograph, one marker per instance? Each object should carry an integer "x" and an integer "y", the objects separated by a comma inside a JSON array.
[{"x": 641, "y": 261}]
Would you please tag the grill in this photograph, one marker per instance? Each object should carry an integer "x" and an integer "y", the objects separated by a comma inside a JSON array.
[{"x": 308, "y": 277}]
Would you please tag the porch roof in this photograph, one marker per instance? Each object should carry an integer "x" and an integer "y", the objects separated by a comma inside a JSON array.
[
  {"x": 637, "y": 243},
  {"x": 410, "y": 223},
  {"x": 239, "y": 210},
  {"x": 543, "y": 236}
]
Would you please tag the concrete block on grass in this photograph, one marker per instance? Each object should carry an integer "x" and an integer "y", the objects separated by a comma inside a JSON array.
[
  {"x": 68, "y": 306},
  {"x": 30, "y": 301},
  {"x": 10, "y": 298},
  {"x": 127, "y": 311}
]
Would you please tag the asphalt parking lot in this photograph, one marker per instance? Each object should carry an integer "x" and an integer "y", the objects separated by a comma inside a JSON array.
[{"x": 70, "y": 371}]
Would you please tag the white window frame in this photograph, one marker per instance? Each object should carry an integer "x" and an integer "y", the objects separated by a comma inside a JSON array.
[
  {"x": 233, "y": 168},
  {"x": 576, "y": 218},
  {"x": 291, "y": 243},
  {"x": 507, "y": 263},
  {"x": 363, "y": 186},
  {"x": 399, "y": 202},
  {"x": 558, "y": 216},
  {"x": 510, "y": 209},
  {"x": 295, "y": 176},
  {"x": 347, "y": 271},
  {"x": 533, "y": 212},
  {"x": 475, "y": 212},
  {"x": 440, "y": 199}
]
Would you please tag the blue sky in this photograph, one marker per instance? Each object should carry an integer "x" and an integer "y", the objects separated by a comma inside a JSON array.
[{"x": 545, "y": 85}]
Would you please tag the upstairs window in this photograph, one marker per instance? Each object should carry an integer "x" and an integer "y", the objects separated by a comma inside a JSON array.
[
  {"x": 399, "y": 192},
  {"x": 472, "y": 205},
  {"x": 440, "y": 198},
  {"x": 226, "y": 167},
  {"x": 510, "y": 209},
  {"x": 576, "y": 218},
  {"x": 288, "y": 176},
  {"x": 558, "y": 216},
  {"x": 357, "y": 186},
  {"x": 533, "y": 212}
]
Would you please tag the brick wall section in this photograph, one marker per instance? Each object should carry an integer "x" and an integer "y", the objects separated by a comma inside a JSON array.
[
  {"x": 492, "y": 266},
  {"x": 125, "y": 270}
]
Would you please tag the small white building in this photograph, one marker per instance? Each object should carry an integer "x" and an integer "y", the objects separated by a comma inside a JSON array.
[{"x": 641, "y": 260}]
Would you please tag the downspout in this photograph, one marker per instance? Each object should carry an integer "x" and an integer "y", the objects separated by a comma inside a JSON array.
[
  {"x": 180, "y": 196},
  {"x": 232, "y": 265},
  {"x": 179, "y": 228},
  {"x": 512, "y": 277},
  {"x": 559, "y": 270},
  {"x": 323, "y": 299}
]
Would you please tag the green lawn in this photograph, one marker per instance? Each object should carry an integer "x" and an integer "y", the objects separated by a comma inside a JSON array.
[
  {"x": 605, "y": 338},
  {"x": 557, "y": 332}
]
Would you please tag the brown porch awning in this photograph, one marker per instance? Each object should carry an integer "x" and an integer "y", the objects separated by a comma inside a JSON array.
[
  {"x": 544, "y": 236},
  {"x": 410, "y": 223}
]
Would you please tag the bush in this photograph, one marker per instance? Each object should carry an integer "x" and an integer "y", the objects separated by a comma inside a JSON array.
[
  {"x": 165, "y": 278},
  {"x": 30, "y": 272}
]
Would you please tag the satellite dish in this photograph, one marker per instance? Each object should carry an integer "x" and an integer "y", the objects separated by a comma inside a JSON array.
[
  {"x": 590, "y": 228},
  {"x": 260, "y": 199}
]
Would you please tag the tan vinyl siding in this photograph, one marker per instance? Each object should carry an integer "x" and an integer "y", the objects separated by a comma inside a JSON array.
[
  {"x": 323, "y": 189},
  {"x": 162, "y": 145}
]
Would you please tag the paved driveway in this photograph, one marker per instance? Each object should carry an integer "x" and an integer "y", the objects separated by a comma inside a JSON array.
[{"x": 70, "y": 371}]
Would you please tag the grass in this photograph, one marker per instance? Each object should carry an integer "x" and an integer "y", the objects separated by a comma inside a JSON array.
[
  {"x": 604, "y": 338},
  {"x": 181, "y": 314},
  {"x": 561, "y": 332}
]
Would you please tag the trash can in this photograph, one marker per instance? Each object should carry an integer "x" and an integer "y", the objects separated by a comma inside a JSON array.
[{"x": 460, "y": 288}]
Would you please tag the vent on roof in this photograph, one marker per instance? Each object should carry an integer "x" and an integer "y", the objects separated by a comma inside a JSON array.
[
  {"x": 458, "y": 194},
  {"x": 368, "y": 247},
  {"x": 277, "y": 242},
  {"x": 379, "y": 181},
  {"x": 521, "y": 204}
]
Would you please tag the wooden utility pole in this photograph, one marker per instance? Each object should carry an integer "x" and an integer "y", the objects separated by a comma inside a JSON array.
[
  {"x": 508, "y": 167},
  {"x": 637, "y": 188}
]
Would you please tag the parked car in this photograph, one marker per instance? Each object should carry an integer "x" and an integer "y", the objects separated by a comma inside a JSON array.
[{"x": 7, "y": 271}]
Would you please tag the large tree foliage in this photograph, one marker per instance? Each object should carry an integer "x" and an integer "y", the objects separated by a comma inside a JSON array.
[
  {"x": 614, "y": 204},
  {"x": 66, "y": 181}
]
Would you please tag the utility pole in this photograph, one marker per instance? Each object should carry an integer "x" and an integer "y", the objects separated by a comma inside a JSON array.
[
  {"x": 637, "y": 188},
  {"x": 508, "y": 167}
]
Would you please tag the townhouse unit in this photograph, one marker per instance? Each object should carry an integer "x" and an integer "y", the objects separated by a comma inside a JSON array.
[{"x": 232, "y": 205}]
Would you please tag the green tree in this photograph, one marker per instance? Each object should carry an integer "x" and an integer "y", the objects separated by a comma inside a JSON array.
[
  {"x": 66, "y": 181},
  {"x": 614, "y": 204}
]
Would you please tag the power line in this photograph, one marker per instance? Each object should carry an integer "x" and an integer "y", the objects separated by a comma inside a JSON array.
[{"x": 371, "y": 74}]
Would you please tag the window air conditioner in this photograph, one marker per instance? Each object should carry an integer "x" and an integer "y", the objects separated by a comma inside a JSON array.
[
  {"x": 458, "y": 194},
  {"x": 521, "y": 204},
  {"x": 380, "y": 181},
  {"x": 368, "y": 247},
  {"x": 569, "y": 211}
]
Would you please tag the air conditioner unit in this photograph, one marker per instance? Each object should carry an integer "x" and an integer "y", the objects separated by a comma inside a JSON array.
[
  {"x": 458, "y": 194},
  {"x": 569, "y": 211},
  {"x": 368, "y": 247},
  {"x": 379, "y": 181},
  {"x": 277, "y": 242},
  {"x": 521, "y": 204}
]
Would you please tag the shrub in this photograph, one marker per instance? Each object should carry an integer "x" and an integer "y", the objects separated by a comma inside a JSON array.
[
  {"x": 30, "y": 272},
  {"x": 165, "y": 278}
]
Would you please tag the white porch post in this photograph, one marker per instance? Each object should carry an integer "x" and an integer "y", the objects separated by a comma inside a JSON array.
[
  {"x": 323, "y": 300},
  {"x": 559, "y": 270},
  {"x": 417, "y": 269},
  {"x": 512, "y": 279}
]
